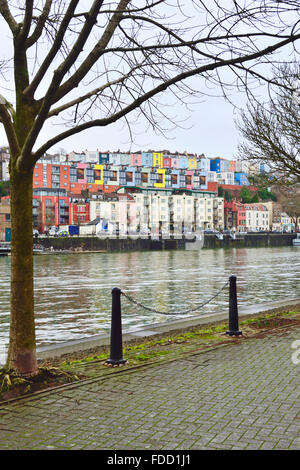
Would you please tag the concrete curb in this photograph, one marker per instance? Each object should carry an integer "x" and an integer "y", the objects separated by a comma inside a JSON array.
[{"x": 69, "y": 347}]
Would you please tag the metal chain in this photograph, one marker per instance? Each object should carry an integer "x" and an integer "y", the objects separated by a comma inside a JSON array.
[{"x": 131, "y": 299}]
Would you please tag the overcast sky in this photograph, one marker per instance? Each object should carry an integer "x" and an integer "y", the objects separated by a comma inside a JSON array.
[
  {"x": 206, "y": 127},
  {"x": 209, "y": 129}
]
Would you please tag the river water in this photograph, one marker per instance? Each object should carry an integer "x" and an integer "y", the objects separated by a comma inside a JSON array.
[{"x": 73, "y": 291}]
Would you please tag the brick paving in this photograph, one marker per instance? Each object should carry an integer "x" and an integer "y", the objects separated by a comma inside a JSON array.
[{"x": 241, "y": 396}]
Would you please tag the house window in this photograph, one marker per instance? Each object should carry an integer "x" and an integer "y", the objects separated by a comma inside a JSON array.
[
  {"x": 80, "y": 173},
  {"x": 97, "y": 174},
  {"x": 129, "y": 176},
  {"x": 114, "y": 176},
  {"x": 160, "y": 178},
  {"x": 144, "y": 177}
]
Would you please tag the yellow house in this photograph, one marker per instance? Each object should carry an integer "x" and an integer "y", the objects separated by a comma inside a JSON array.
[
  {"x": 161, "y": 178},
  {"x": 192, "y": 163},
  {"x": 158, "y": 159},
  {"x": 98, "y": 172}
]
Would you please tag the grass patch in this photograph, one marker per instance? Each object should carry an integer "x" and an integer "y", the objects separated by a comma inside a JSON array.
[
  {"x": 175, "y": 343},
  {"x": 150, "y": 355}
]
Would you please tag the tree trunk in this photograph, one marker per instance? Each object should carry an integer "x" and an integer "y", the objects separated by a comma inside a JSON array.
[{"x": 22, "y": 346}]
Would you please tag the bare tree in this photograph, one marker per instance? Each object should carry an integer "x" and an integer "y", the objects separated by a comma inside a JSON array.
[
  {"x": 272, "y": 131},
  {"x": 90, "y": 67},
  {"x": 289, "y": 200}
]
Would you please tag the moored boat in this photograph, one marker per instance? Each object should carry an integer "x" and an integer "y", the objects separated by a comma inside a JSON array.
[
  {"x": 296, "y": 241},
  {"x": 4, "y": 248}
]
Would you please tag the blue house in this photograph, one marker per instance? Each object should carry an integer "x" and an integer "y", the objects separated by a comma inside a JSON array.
[
  {"x": 147, "y": 159},
  {"x": 184, "y": 162},
  {"x": 241, "y": 179},
  {"x": 103, "y": 158},
  {"x": 219, "y": 165}
]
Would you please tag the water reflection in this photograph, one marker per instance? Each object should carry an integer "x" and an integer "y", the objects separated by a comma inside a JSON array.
[{"x": 73, "y": 292}]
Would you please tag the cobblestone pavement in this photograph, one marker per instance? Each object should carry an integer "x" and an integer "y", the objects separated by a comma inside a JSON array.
[{"x": 240, "y": 396}]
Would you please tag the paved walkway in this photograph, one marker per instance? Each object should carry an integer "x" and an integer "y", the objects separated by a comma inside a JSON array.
[{"x": 240, "y": 396}]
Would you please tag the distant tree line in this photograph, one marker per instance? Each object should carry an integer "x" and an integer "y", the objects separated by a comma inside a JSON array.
[{"x": 246, "y": 196}]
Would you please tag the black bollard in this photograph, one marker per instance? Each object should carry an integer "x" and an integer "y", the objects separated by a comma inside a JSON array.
[
  {"x": 116, "y": 348},
  {"x": 233, "y": 309}
]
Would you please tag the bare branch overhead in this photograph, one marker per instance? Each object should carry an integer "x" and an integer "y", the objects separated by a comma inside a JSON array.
[{"x": 92, "y": 67}]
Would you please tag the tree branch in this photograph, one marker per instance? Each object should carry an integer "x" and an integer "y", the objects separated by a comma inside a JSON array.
[
  {"x": 5, "y": 118},
  {"x": 80, "y": 99},
  {"x": 40, "y": 24},
  {"x": 5, "y": 12},
  {"x": 94, "y": 55},
  {"x": 162, "y": 87},
  {"x": 30, "y": 90},
  {"x": 23, "y": 34}
]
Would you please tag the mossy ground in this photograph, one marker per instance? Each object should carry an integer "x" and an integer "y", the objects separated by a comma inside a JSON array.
[
  {"x": 12, "y": 385},
  {"x": 171, "y": 346}
]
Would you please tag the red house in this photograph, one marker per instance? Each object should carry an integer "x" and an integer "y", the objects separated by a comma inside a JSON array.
[
  {"x": 167, "y": 162},
  {"x": 79, "y": 210},
  {"x": 234, "y": 215}
]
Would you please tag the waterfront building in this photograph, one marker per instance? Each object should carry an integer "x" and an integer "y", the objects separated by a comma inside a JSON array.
[
  {"x": 235, "y": 216},
  {"x": 170, "y": 209},
  {"x": 276, "y": 217},
  {"x": 257, "y": 217},
  {"x": 287, "y": 224},
  {"x": 103, "y": 206},
  {"x": 274, "y": 214},
  {"x": 113, "y": 211},
  {"x": 218, "y": 213},
  {"x": 79, "y": 210},
  {"x": 50, "y": 206}
]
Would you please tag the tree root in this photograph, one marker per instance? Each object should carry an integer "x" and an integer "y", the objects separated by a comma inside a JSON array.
[{"x": 10, "y": 380}]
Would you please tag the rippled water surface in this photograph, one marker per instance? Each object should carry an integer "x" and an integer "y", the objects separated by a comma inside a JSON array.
[{"x": 73, "y": 291}]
